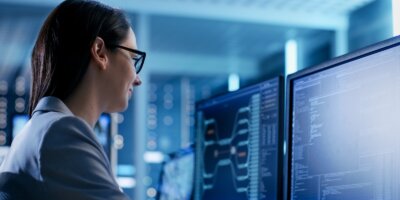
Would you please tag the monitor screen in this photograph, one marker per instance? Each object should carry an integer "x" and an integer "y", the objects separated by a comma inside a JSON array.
[
  {"x": 177, "y": 177},
  {"x": 342, "y": 127},
  {"x": 103, "y": 132},
  {"x": 102, "y": 129},
  {"x": 238, "y": 140},
  {"x": 18, "y": 122}
]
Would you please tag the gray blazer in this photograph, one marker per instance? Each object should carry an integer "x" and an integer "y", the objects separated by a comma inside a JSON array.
[{"x": 57, "y": 156}]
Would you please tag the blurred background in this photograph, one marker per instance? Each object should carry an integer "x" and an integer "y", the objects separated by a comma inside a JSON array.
[{"x": 195, "y": 49}]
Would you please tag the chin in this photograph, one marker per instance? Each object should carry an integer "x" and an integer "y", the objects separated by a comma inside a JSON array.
[
  {"x": 118, "y": 107},
  {"x": 122, "y": 107}
]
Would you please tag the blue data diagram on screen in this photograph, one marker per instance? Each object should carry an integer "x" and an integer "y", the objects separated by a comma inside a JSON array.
[{"x": 240, "y": 143}]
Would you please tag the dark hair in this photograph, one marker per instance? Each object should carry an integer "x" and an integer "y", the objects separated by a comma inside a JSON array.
[{"x": 61, "y": 55}]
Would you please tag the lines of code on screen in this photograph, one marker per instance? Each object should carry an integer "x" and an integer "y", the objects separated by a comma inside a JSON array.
[{"x": 346, "y": 138}]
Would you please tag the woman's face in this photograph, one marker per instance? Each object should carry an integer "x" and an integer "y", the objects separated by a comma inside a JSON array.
[{"x": 122, "y": 77}]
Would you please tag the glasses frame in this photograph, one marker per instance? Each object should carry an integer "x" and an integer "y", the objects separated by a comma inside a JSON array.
[{"x": 142, "y": 55}]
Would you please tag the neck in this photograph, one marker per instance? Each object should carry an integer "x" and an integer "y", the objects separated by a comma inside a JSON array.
[{"x": 83, "y": 103}]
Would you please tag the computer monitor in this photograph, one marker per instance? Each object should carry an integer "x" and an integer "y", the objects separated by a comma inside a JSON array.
[
  {"x": 342, "y": 127},
  {"x": 177, "y": 177},
  {"x": 103, "y": 132},
  {"x": 102, "y": 129},
  {"x": 18, "y": 122},
  {"x": 239, "y": 145}
]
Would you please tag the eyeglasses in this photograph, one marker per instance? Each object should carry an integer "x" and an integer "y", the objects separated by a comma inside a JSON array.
[{"x": 138, "y": 60}]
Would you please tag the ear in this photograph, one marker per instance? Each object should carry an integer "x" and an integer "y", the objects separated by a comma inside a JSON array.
[{"x": 99, "y": 53}]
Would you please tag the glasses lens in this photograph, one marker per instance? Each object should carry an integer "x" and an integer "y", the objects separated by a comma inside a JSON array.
[{"x": 139, "y": 64}]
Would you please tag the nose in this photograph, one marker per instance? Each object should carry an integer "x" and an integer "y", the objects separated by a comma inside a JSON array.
[{"x": 137, "y": 81}]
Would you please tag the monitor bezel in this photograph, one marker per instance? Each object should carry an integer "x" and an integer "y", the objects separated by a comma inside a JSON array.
[
  {"x": 334, "y": 62},
  {"x": 281, "y": 133}
]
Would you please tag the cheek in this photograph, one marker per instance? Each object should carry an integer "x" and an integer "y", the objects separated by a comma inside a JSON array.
[{"x": 126, "y": 76}]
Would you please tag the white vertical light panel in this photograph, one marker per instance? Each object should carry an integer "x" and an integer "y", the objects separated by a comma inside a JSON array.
[
  {"x": 396, "y": 17},
  {"x": 233, "y": 82},
  {"x": 291, "y": 54},
  {"x": 140, "y": 111},
  {"x": 341, "y": 45}
]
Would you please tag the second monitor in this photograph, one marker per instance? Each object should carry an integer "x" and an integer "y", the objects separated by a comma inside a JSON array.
[
  {"x": 342, "y": 123},
  {"x": 239, "y": 144}
]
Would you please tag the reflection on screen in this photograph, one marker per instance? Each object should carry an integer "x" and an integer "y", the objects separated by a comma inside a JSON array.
[
  {"x": 239, "y": 135},
  {"x": 177, "y": 178},
  {"x": 346, "y": 139}
]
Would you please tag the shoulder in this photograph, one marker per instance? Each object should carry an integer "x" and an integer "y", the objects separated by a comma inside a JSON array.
[
  {"x": 72, "y": 163},
  {"x": 68, "y": 130},
  {"x": 68, "y": 124},
  {"x": 69, "y": 141},
  {"x": 67, "y": 127}
]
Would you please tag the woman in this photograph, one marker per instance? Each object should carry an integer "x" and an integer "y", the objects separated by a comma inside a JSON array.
[{"x": 84, "y": 63}]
